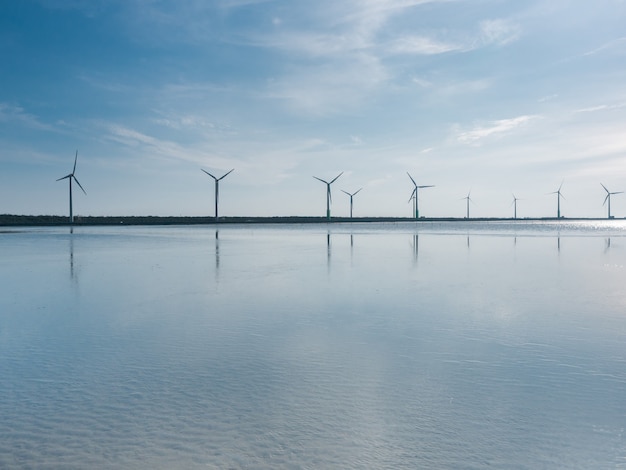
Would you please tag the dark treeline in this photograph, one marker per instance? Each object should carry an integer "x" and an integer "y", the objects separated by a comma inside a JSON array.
[
  {"x": 43, "y": 220},
  {"x": 52, "y": 220}
]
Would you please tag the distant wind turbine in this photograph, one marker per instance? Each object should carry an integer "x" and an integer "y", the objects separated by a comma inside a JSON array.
[
  {"x": 514, "y": 204},
  {"x": 608, "y": 198},
  {"x": 558, "y": 200},
  {"x": 328, "y": 195},
  {"x": 468, "y": 199},
  {"x": 71, "y": 177},
  {"x": 414, "y": 193},
  {"x": 217, "y": 189},
  {"x": 351, "y": 197}
]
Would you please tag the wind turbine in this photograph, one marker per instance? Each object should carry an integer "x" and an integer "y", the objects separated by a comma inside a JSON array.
[
  {"x": 468, "y": 199},
  {"x": 514, "y": 204},
  {"x": 558, "y": 200},
  {"x": 608, "y": 197},
  {"x": 351, "y": 196},
  {"x": 414, "y": 193},
  {"x": 217, "y": 188},
  {"x": 328, "y": 195},
  {"x": 71, "y": 177}
]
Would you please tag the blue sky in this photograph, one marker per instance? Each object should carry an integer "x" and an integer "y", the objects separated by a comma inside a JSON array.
[{"x": 492, "y": 96}]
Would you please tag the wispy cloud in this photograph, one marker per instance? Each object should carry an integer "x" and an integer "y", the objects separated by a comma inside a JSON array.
[
  {"x": 601, "y": 107},
  {"x": 501, "y": 126},
  {"x": 464, "y": 86},
  {"x": 322, "y": 58},
  {"x": 420, "y": 45},
  {"x": 134, "y": 138},
  {"x": 546, "y": 98},
  {"x": 499, "y": 32},
  {"x": 17, "y": 114},
  {"x": 192, "y": 122},
  {"x": 149, "y": 146},
  {"x": 614, "y": 44},
  {"x": 330, "y": 88}
]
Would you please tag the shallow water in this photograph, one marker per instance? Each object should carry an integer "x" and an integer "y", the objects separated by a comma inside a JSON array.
[{"x": 429, "y": 345}]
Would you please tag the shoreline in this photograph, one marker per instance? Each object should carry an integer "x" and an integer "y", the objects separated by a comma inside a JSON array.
[{"x": 9, "y": 220}]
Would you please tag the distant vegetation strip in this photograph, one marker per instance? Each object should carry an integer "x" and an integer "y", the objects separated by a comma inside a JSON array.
[
  {"x": 43, "y": 220},
  {"x": 52, "y": 220}
]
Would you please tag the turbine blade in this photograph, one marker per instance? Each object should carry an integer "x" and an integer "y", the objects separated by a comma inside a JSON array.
[
  {"x": 606, "y": 198},
  {"x": 335, "y": 179},
  {"x": 346, "y": 193},
  {"x": 412, "y": 195},
  {"x": 618, "y": 192},
  {"x": 330, "y": 194},
  {"x": 224, "y": 176},
  {"x": 354, "y": 194},
  {"x": 427, "y": 186},
  {"x": 65, "y": 177},
  {"x": 411, "y": 178},
  {"x": 561, "y": 185},
  {"x": 320, "y": 179},
  {"x": 209, "y": 174},
  {"x": 79, "y": 185},
  {"x": 75, "y": 158},
  {"x": 604, "y": 187}
]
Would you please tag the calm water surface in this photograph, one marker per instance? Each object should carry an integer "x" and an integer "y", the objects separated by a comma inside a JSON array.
[{"x": 429, "y": 345}]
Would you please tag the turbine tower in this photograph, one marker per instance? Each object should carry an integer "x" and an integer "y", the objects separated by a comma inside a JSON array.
[
  {"x": 71, "y": 177},
  {"x": 414, "y": 193},
  {"x": 328, "y": 195},
  {"x": 608, "y": 198},
  {"x": 351, "y": 196},
  {"x": 217, "y": 189},
  {"x": 468, "y": 199},
  {"x": 558, "y": 200},
  {"x": 514, "y": 204}
]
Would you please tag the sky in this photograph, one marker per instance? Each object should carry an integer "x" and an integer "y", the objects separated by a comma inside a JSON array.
[{"x": 492, "y": 97}]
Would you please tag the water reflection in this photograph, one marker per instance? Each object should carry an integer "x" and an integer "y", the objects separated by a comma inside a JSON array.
[
  {"x": 217, "y": 250},
  {"x": 71, "y": 242},
  {"x": 388, "y": 367},
  {"x": 328, "y": 249},
  {"x": 351, "y": 248},
  {"x": 415, "y": 246}
]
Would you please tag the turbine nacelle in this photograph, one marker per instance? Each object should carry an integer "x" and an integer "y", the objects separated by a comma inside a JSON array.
[
  {"x": 221, "y": 177},
  {"x": 609, "y": 193}
]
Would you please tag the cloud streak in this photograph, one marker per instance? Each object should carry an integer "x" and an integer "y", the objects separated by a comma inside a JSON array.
[
  {"x": 499, "y": 127},
  {"x": 17, "y": 114}
]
